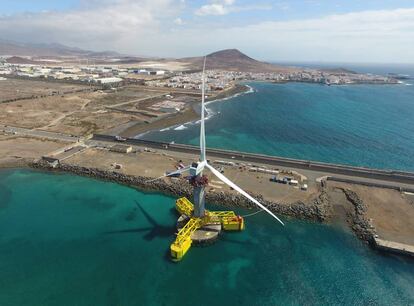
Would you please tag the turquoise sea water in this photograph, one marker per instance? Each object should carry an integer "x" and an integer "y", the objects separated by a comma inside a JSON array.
[
  {"x": 68, "y": 240},
  {"x": 361, "y": 125}
]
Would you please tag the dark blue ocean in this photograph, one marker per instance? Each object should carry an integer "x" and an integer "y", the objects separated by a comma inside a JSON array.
[
  {"x": 69, "y": 240},
  {"x": 360, "y": 125}
]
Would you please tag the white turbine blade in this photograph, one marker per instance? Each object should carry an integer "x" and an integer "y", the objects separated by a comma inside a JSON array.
[
  {"x": 202, "y": 128},
  {"x": 179, "y": 171},
  {"x": 238, "y": 189}
]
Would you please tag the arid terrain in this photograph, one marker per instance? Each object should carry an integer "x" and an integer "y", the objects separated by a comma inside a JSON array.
[
  {"x": 81, "y": 110},
  {"x": 77, "y": 113},
  {"x": 17, "y": 89}
]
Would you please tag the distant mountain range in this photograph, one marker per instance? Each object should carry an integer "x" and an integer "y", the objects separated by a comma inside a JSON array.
[
  {"x": 230, "y": 59},
  {"x": 11, "y": 48}
]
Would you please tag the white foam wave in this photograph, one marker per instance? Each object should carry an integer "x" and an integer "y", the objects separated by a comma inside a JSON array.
[
  {"x": 249, "y": 91},
  {"x": 180, "y": 128},
  {"x": 408, "y": 84},
  {"x": 209, "y": 112},
  {"x": 139, "y": 136}
]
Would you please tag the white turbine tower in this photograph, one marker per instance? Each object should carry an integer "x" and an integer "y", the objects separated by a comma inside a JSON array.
[{"x": 196, "y": 171}]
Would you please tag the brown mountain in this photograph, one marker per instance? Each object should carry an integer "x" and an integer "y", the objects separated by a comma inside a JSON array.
[
  {"x": 20, "y": 60},
  {"x": 13, "y": 48},
  {"x": 233, "y": 60}
]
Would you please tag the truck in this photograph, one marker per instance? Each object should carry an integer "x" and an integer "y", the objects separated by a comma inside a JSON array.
[{"x": 119, "y": 138}]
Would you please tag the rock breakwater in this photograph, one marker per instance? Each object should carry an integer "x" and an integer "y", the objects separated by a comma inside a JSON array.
[
  {"x": 359, "y": 224},
  {"x": 317, "y": 210}
]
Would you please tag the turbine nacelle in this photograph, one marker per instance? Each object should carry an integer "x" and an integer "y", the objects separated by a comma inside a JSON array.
[{"x": 197, "y": 168}]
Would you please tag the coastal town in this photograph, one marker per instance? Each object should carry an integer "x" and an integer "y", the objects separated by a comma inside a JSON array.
[{"x": 217, "y": 80}]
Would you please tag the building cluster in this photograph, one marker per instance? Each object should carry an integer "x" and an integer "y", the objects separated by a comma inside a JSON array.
[
  {"x": 337, "y": 78},
  {"x": 100, "y": 74},
  {"x": 215, "y": 80},
  {"x": 219, "y": 80},
  {"x": 168, "y": 106}
]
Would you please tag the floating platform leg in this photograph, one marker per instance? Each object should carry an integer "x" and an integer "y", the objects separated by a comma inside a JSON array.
[
  {"x": 179, "y": 250},
  {"x": 183, "y": 241}
]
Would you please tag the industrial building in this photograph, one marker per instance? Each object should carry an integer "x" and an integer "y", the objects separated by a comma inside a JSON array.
[{"x": 121, "y": 148}]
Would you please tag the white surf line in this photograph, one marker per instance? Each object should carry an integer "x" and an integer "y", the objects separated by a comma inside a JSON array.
[
  {"x": 180, "y": 127},
  {"x": 210, "y": 114}
]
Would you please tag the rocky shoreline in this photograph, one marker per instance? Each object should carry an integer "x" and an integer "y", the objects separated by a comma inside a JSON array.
[
  {"x": 359, "y": 224},
  {"x": 319, "y": 209}
]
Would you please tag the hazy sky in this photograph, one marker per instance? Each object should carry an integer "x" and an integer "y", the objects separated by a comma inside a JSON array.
[{"x": 297, "y": 30}]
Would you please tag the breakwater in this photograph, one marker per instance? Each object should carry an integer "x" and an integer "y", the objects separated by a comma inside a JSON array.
[
  {"x": 369, "y": 184},
  {"x": 318, "y": 209},
  {"x": 359, "y": 223}
]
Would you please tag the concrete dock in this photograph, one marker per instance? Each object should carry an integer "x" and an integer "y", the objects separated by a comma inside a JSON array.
[{"x": 394, "y": 247}]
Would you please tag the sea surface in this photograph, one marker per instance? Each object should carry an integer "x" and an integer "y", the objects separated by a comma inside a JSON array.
[
  {"x": 69, "y": 240},
  {"x": 360, "y": 125}
]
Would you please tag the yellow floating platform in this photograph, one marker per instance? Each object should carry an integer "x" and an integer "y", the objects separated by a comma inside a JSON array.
[
  {"x": 183, "y": 241},
  {"x": 228, "y": 221}
]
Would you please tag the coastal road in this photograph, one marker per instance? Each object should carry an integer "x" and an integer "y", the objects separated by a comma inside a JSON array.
[
  {"x": 324, "y": 168},
  {"x": 405, "y": 180},
  {"x": 39, "y": 133},
  {"x": 135, "y": 101}
]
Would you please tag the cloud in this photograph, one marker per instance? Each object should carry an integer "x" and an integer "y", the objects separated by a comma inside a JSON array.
[
  {"x": 144, "y": 27},
  {"x": 224, "y": 2},
  {"x": 179, "y": 21},
  {"x": 212, "y": 9},
  {"x": 367, "y": 36},
  {"x": 216, "y": 7},
  {"x": 224, "y": 7},
  {"x": 94, "y": 23}
]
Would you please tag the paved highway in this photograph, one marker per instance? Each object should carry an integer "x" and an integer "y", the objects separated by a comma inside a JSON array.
[
  {"x": 328, "y": 169},
  {"x": 385, "y": 175},
  {"x": 39, "y": 133}
]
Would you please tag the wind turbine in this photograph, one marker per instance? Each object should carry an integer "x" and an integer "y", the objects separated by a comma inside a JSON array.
[{"x": 197, "y": 212}]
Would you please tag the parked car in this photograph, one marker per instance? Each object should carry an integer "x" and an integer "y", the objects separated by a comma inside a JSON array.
[{"x": 119, "y": 138}]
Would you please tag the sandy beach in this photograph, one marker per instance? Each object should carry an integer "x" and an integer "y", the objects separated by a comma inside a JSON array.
[{"x": 188, "y": 115}]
